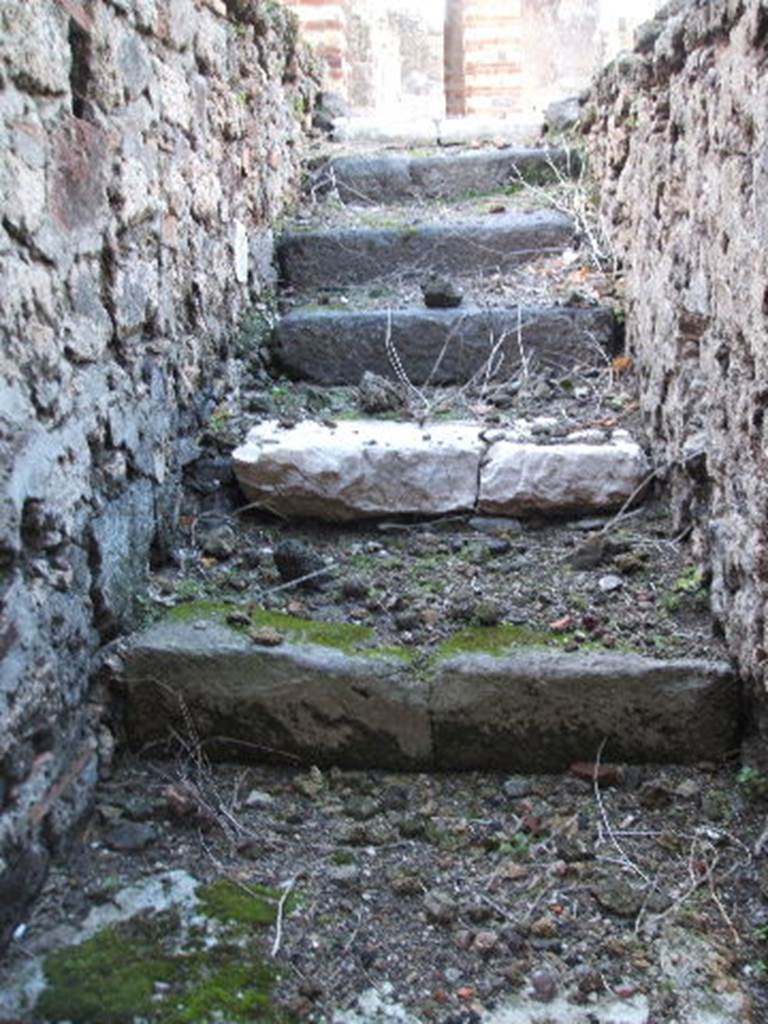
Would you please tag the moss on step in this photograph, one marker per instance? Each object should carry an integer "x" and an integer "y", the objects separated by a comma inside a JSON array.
[
  {"x": 498, "y": 640},
  {"x": 158, "y": 969},
  {"x": 503, "y": 639},
  {"x": 347, "y": 637},
  {"x": 242, "y": 906}
]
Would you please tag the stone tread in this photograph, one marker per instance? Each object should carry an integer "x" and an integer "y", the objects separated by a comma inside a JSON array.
[
  {"x": 358, "y": 469},
  {"x": 392, "y": 179},
  {"x": 523, "y": 710},
  {"x": 337, "y": 257},
  {"x": 439, "y": 346}
]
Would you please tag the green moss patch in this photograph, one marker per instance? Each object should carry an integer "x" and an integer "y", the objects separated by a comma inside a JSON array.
[
  {"x": 242, "y": 905},
  {"x": 348, "y": 637},
  {"x": 498, "y": 640},
  {"x": 150, "y": 967}
]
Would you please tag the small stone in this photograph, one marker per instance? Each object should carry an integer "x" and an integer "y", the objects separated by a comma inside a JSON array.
[
  {"x": 496, "y": 526},
  {"x": 355, "y": 588},
  {"x": 310, "y": 784},
  {"x": 250, "y": 558},
  {"x": 411, "y": 828},
  {"x": 688, "y": 790},
  {"x": 462, "y": 606},
  {"x": 361, "y": 808},
  {"x": 344, "y": 875},
  {"x": 406, "y": 885},
  {"x": 544, "y": 984},
  {"x": 266, "y": 636},
  {"x": 259, "y": 798},
  {"x": 295, "y": 561},
  {"x": 610, "y": 584},
  {"x": 589, "y": 979},
  {"x": 544, "y": 927},
  {"x": 618, "y": 896},
  {"x": 130, "y": 836},
  {"x": 376, "y": 394},
  {"x": 485, "y": 943},
  {"x": 478, "y": 912},
  {"x": 629, "y": 562},
  {"x": 440, "y": 293},
  {"x": 489, "y": 613},
  {"x": 655, "y": 794},
  {"x": 463, "y": 939},
  {"x": 497, "y": 546},
  {"x": 218, "y": 542},
  {"x": 407, "y": 620},
  {"x": 366, "y": 833},
  {"x": 394, "y": 798},
  {"x": 517, "y": 787},
  {"x": 604, "y": 774},
  {"x": 440, "y": 907}
]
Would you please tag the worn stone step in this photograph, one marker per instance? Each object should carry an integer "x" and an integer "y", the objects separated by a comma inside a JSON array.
[
  {"x": 338, "y": 257},
  {"x": 362, "y": 469},
  {"x": 521, "y": 709},
  {"x": 387, "y": 179},
  {"x": 429, "y": 131},
  {"x": 440, "y": 346}
]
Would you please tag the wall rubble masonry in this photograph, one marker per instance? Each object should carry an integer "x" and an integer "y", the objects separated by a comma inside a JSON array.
[
  {"x": 679, "y": 138},
  {"x": 147, "y": 146}
]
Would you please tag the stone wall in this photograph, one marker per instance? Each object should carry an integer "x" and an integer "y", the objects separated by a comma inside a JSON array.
[
  {"x": 147, "y": 147},
  {"x": 679, "y": 139}
]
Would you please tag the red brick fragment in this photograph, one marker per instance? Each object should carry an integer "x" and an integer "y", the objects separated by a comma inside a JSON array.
[{"x": 607, "y": 774}]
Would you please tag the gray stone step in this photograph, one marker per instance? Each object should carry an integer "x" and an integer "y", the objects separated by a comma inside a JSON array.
[
  {"x": 345, "y": 256},
  {"x": 439, "y": 346},
  {"x": 526, "y": 709},
  {"x": 362, "y": 469},
  {"x": 429, "y": 131},
  {"x": 388, "y": 179}
]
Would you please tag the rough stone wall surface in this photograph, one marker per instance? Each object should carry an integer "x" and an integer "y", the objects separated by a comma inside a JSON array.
[
  {"x": 147, "y": 146},
  {"x": 679, "y": 138}
]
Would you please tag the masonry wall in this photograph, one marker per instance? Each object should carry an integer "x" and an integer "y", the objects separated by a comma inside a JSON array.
[
  {"x": 679, "y": 139},
  {"x": 147, "y": 147}
]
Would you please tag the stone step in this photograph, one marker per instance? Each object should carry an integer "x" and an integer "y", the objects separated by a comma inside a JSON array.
[
  {"x": 388, "y": 179},
  {"x": 338, "y": 257},
  {"x": 430, "y": 131},
  {"x": 440, "y": 346},
  {"x": 519, "y": 709},
  {"x": 362, "y": 469}
]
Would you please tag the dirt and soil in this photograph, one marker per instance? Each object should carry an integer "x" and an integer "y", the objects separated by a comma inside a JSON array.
[{"x": 453, "y": 892}]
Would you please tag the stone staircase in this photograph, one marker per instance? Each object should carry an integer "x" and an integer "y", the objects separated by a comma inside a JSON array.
[{"x": 494, "y": 696}]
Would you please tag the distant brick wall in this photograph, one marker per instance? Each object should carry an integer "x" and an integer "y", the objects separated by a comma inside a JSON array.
[
  {"x": 324, "y": 26},
  {"x": 493, "y": 57}
]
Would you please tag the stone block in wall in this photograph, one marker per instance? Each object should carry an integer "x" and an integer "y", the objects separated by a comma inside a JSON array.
[
  {"x": 180, "y": 23},
  {"x": 120, "y": 542},
  {"x": 77, "y": 176},
  {"x": 22, "y": 195},
  {"x": 87, "y": 331},
  {"x": 38, "y": 65},
  {"x": 175, "y": 95},
  {"x": 135, "y": 295},
  {"x": 210, "y": 45}
]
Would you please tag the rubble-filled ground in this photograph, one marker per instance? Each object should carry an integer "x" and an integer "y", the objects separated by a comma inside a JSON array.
[{"x": 451, "y": 895}]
